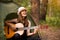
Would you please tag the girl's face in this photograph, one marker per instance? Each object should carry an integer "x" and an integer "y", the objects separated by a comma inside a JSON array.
[{"x": 24, "y": 13}]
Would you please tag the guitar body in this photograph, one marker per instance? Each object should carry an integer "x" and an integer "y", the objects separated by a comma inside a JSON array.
[
  {"x": 10, "y": 32},
  {"x": 19, "y": 25}
]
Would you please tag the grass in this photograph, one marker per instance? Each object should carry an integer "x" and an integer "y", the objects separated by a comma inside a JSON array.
[{"x": 51, "y": 21}]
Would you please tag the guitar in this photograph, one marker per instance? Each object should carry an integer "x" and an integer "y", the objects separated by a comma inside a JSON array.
[{"x": 20, "y": 30}]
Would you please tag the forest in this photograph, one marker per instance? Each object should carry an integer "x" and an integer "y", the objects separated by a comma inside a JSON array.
[{"x": 43, "y": 12}]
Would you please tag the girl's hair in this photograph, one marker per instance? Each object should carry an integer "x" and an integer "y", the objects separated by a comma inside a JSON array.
[{"x": 23, "y": 20}]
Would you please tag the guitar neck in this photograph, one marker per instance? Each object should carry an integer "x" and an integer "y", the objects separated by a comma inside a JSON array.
[{"x": 26, "y": 28}]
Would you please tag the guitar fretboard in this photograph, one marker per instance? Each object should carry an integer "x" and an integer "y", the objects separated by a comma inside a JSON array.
[{"x": 26, "y": 28}]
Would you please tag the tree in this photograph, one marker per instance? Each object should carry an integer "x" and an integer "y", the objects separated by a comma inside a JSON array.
[
  {"x": 43, "y": 9},
  {"x": 35, "y": 10}
]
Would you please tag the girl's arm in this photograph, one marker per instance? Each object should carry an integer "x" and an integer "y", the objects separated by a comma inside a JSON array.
[{"x": 28, "y": 31}]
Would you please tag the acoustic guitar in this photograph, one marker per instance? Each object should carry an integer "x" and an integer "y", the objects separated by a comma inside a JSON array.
[{"x": 20, "y": 30}]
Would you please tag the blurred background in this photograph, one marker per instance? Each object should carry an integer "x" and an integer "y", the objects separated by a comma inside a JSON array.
[{"x": 43, "y": 12}]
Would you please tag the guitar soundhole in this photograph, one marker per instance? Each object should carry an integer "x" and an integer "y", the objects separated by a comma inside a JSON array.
[{"x": 16, "y": 30}]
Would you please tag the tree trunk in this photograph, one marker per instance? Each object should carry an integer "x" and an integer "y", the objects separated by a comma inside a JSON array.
[
  {"x": 43, "y": 9},
  {"x": 35, "y": 10}
]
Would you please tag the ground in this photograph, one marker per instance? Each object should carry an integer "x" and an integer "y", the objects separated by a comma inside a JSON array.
[{"x": 49, "y": 33}]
